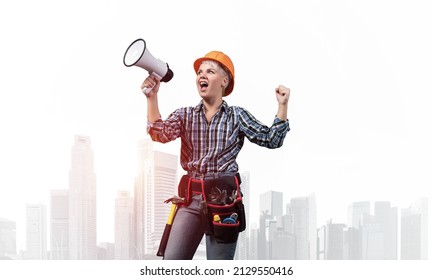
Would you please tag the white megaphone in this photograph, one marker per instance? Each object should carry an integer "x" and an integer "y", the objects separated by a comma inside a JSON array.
[{"x": 138, "y": 55}]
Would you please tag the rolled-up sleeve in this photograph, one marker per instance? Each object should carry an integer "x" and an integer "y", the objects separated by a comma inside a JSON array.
[
  {"x": 271, "y": 137},
  {"x": 167, "y": 130}
]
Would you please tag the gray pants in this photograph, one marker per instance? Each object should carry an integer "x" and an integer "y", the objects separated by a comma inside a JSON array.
[{"x": 187, "y": 232}]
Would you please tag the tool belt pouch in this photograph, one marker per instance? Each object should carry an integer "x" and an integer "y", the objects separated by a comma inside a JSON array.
[
  {"x": 226, "y": 229},
  {"x": 225, "y": 209},
  {"x": 226, "y": 233}
]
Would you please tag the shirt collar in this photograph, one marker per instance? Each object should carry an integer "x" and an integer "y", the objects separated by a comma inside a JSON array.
[{"x": 224, "y": 106}]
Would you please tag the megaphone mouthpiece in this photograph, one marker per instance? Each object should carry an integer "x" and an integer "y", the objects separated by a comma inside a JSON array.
[{"x": 168, "y": 76}]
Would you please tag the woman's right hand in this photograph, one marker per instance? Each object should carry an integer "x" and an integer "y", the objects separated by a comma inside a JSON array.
[{"x": 150, "y": 86}]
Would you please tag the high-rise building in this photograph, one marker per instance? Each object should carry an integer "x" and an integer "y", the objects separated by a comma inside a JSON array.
[
  {"x": 355, "y": 213},
  {"x": 281, "y": 243},
  {"x": 331, "y": 241},
  {"x": 271, "y": 206},
  {"x": 59, "y": 229},
  {"x": 303, "y": 210},
  {"x": 272, "y": 203},
  {"x": 36, "y": 232},
  {"x": 156, "y": 181},
  {"x": 8, "y": 239},
  {"x": 371, "y": 236},
  {"x": 82, "y": 201},
  {"x": 262, "y": 238},
  {"x": 414, "y": 231},
  {"x": 352, "y": 244},
  {"x": 253, "y": 241},
  {"x": 124, "y": 231},
  {"x": 386, "y": 217},
  {"x": 372, "y": 239},
  {"x": 287, "y": 225}
]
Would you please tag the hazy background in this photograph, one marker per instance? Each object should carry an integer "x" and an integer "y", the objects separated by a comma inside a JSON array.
[{"x": 360, "y": 109}]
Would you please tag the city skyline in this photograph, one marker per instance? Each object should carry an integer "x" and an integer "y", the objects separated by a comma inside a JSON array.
[
  {"x": 276, "y": 225},
  {"x": 340, "y": 205},
  {"x": 421, "y": 254}
]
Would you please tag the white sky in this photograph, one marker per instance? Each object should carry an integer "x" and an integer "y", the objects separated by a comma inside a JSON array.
[{"x": 360, "y": 109}]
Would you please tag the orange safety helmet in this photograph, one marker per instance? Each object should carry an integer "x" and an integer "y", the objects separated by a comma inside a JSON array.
[{"x": 225, "y": 61}]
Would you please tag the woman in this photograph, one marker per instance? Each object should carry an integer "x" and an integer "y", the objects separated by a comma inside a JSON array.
[{"x": 212, "y": 134}]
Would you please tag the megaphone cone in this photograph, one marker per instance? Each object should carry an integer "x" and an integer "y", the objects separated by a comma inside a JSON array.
[{"x": 138, "y": 55}]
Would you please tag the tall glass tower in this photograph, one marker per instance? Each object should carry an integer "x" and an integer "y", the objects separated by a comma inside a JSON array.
[
  {"x": 36, "y": 232},
  {"x": 82, "y": 201},
  {"x": 59, "y": 224},
  {"x": 303, "y": 210},
  {"x": 155, "y": 182}
]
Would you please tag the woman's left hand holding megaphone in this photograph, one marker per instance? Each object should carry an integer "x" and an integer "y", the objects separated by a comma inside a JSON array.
[{"x": 150, "y": 86}]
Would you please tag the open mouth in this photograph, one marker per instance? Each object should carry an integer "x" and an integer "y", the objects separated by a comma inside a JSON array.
[{"x": 203, "y": 85}]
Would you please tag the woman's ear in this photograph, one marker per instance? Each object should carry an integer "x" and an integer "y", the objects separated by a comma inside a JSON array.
[{"x": 225, "y": 82}]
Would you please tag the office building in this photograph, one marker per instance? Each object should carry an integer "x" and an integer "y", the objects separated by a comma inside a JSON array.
[
  {"x": 36, "y": 232},
  {"x": 59, "y": 229},
  {"x": 303, "y": 210},
  {"x": 82, "y": 201},
  {"x": 156, "y": 181},
  {"x": 414, "y": 231},
  {"x": 124, "y": 226},
  {"x": 8, "y": 239}
]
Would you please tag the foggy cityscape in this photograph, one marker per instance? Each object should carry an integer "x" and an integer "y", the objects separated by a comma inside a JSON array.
[{"x": 373, "y": 230}]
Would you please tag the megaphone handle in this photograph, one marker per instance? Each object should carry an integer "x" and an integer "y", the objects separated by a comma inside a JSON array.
[
  {"x": 158, "y": 77},
  {"x": 147, "y": 90}
]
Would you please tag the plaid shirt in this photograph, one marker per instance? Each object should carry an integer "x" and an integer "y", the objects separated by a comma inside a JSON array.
[{"x": 212, "y": 148}]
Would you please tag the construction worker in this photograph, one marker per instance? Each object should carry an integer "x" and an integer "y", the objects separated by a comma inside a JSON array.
[{"x": 212, "y": 134}]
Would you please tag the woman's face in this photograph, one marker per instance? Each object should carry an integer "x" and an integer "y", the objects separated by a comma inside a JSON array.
[{"x": 210, "y": 80}]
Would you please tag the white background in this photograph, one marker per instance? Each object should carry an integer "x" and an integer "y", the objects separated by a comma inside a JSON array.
[{"x": 360, "y": 109}]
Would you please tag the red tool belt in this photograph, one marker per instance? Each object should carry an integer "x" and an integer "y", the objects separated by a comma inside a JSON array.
[{"x": 222, "y": 206}]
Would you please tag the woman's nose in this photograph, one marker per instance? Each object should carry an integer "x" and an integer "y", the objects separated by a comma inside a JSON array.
[{"x": 202, "y": 74}]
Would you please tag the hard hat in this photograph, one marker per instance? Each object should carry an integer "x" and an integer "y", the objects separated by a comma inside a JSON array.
[{"x": 224, "y": 60}]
